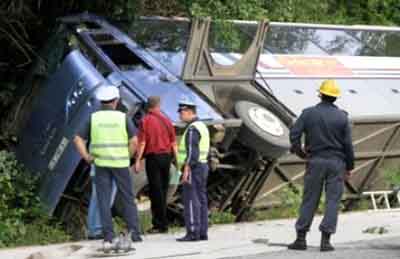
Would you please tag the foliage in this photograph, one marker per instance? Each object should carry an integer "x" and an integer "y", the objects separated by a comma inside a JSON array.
[
  {"x": 41, "y": 231},
  {"x": 7, "y": 93},
  {"x": 392, "y": 177},
  {"x": 289, "y": 206},
  {"x": 25, "y": 25},
  {"x": 21, "y": 219},
  {"x": 220, "y": 9},
  {"x": 218, "y": 217}
]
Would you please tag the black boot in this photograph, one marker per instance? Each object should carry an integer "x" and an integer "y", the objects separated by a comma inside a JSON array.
[
  {"x": 326, "y": 243},
  {"x": 189, "y": 237},
  {"x": 300, "y": 243}
]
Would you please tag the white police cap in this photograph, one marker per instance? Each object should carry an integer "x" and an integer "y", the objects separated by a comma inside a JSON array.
[
  {"x": 186, "y": 101},
  {"x": 107, "y": 93}
]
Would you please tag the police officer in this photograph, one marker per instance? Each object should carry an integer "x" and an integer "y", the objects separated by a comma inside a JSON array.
[
  {"x": 193, "y": 150},
  {"x": 329, "y": 155},
  {"x": 112, "y": 142}
]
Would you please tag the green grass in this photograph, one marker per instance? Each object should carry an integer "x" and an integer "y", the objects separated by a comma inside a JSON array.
[{"x": 40, "y": 233}]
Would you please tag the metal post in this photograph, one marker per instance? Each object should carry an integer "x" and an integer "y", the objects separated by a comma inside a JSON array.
[{"x": 373, "y": 201}]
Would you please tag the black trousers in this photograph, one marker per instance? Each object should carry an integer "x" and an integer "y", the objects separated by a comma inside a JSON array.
[
  {"x": 322, "y": 173},
  {"x": 157, "y": 169},
  {"x": 103, "y": 180}
]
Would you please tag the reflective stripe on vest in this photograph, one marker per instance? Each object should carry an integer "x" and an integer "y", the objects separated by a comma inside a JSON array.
[
  {"x": 109, "y": 139},
  {"x": 204, "y": 144}
]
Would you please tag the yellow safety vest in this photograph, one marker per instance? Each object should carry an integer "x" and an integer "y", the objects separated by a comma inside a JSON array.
[
  {"x": 109, "y": 139},
  {"x": 204, "y": 145}
]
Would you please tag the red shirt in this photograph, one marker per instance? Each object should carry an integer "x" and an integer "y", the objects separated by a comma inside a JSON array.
[{"x": 158, "y": 133}]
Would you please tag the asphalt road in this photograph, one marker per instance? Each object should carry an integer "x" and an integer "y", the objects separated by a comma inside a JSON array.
[
  {"x": 255, "y": 240},
  {"x": 375, "y": 249}
]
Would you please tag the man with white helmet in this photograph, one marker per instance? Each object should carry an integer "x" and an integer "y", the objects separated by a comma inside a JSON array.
[
  {"x": 192, "y": 156},
  {"x": 329, "y": 154},
  {"x": 112, "y": 143}
]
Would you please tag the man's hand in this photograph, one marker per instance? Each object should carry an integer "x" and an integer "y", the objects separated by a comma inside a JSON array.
[
  {"x": 348, "y": 175},
  {"x": 186, "y": 174},
  {"x": 138, "y": 166},
  {"x": 175, "y": 153},
  {"x": 80, "y": 145},
  {"x": 300, "y": 152},
  {"x": 139, "y": 156},
  {"x": 174, "y": 162},
  {"x": 89, "y": 158}
]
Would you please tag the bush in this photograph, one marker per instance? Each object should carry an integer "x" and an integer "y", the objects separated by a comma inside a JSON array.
[
  {"x": 290, "y": 203},
  {"x": 392, "y": 177},
  {"x": 22, "y": 221},
  {"x": 219, "y": 217},
  {"x": 291, "y": 199}
]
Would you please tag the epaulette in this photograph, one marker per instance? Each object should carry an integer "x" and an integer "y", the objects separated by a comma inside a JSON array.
[{"x": 345, "y": 112}]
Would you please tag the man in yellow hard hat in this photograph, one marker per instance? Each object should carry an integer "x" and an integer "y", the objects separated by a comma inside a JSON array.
[{"x": 329, "y": 156}]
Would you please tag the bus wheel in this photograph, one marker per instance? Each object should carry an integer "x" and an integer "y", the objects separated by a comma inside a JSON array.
[{"x": 262, "y": 130}]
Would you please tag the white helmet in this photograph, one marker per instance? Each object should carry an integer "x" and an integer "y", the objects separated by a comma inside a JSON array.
[{"x": 107, "y": 93}]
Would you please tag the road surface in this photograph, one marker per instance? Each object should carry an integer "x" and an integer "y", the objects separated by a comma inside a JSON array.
[
  {"x": 387, "y": 248},
  {"x": 266, "y": 239}
]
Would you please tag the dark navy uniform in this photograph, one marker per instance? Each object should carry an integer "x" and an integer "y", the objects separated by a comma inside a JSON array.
[
  {"x": 195, "y": 192},
  {"x": 329, "y": 153}
]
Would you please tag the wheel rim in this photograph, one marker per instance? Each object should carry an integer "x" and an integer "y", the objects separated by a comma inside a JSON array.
[{"x": 266, "y": 121}]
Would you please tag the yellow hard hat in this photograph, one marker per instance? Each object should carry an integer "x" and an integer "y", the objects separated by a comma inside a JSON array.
[{"x": 330, "y": 88}]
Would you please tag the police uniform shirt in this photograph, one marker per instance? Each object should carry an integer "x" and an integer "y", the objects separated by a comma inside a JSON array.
[{"x": 327, "y": 133}]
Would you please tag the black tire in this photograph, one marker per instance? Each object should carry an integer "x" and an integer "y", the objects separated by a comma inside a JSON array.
[{"x": 272, "y": 141}]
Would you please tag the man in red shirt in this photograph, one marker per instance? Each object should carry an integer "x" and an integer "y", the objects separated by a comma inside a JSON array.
[{"x": 157, "y": 143}]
